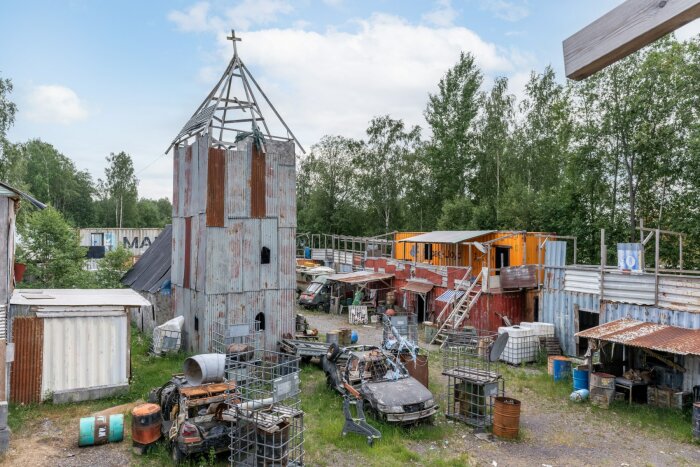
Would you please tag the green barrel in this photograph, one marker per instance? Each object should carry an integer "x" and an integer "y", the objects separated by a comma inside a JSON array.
[{"x": 101, "y": 429}]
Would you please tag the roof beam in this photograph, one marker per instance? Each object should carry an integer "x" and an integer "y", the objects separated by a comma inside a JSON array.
[{"x": 622, "y": 31}]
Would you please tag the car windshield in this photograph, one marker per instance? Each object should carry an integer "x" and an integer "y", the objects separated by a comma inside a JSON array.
[
  {"x": 375, "y": 366},
  {"x": 314, "y": 287}
]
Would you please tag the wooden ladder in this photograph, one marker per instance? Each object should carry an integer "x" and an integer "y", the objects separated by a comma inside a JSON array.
[{"x": 461, "y": 310}]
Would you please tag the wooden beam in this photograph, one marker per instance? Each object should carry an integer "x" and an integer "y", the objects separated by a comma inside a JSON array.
[{"x": 622, "y": 31}]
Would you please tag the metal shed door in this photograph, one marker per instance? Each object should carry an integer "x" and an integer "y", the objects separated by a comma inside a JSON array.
[{"x": 25, "y": 373}]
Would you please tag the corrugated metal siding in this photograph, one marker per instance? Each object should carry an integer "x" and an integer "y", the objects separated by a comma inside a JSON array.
[
  {"x": 679, "y": 292},
  {"x": 178, "y": 254},
  {"x": 287, "y": 200},
  {"x": 483, "y": 313},
  {"x": 84, "y": 352},
  {"x": 237, "y": 193},
  {"x": 176, "y": 181},
  {"x": 25, "y": 372},
  {"x": 3, "y": 321},
  {"x": 257, "y": 184},
  {"x": 224, "y": 272},
  {"x": 6, "y": 256},
  {"x": 628, "y": 288},
  {"x": 216, "y": 313},
  {"x": 187, "y": 268},
  {"x": 271, "y": 181},
  {"x": 216, "y": 187},
  {"x": 200, "y": 196},
  {"x": 268, "y": 238},
  {"x": 582, "y": 280},
  {"x": 287, "y": 255},
  {"x": 251, "y": 255},
  {"x": 557, "y": 307},
  {"x": 555, "y": 253},
  {"x": 650, "y": 314},
  {"x": 187, "y": 180}
]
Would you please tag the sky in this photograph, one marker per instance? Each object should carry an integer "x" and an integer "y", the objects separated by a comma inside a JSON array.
[{"x": 94, "y": 77}]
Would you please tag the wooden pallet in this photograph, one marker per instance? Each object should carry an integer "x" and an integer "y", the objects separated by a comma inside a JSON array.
[{"x": 551, "y": 345}]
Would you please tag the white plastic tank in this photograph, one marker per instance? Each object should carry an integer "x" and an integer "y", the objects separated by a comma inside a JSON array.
[{"x": 522, "y": 345}]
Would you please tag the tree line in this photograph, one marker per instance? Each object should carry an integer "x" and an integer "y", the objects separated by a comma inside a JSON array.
[{"x": 572, "y": 158}]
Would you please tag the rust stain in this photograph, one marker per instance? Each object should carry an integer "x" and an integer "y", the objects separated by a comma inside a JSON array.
[
  {"x": 257, "y": 184},
  {"x": 176, "y": 181},
  {"x": 25, "y": 375},
  {"x": 216, "y": 173},
  {"x": 188, "y": 181},
  {"x": 188, "y": 253}
]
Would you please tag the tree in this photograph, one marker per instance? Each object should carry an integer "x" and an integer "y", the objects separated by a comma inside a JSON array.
[
  {"x": 8, "y": 109},
  {"x": 113, "y": 267},
  {"x": 120, "y": 187},
  {"x": 154, "y": 213},
  {"x": 51, "y": 248}
]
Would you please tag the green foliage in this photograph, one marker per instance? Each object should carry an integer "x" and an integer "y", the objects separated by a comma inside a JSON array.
[
  {"x": 119, "y": 191},
  {"x": 52, "y": 250},
  {"x": 113, "y": 267}
]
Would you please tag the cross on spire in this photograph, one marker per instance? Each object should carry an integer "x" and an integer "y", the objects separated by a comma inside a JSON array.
[{"x": 233, "y": 40}]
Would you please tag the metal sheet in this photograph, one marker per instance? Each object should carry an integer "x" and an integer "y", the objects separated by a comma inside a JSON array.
[
  {"x": 216, "y": 187},
  {"x": 360, "y": 277},
  {"x": 187, "y": 180},
  {"x": 216, "y": 311},
  {"x": 286, "y": 152},
  {"x": 558, "y": 308},
  {"x": 679, "y": 292},
  {"x": 224, "y": 273},
  {"x": 187, "y": 266},
  {"x": 201, "y": 252},
  {"x": 681, "y": 318},
  {"x": 582, "y": 280},
  {"x": 268, "y": 238},
  {"x": 287, "y": 255},
  {"x": 251, "y": 254},
  {"x": 257, "y": 183},
  {"x": 200, "y": 198},
  {"x": 85, "y": 352},
  {"x": 418, "y": 287},
  {"x": 272, "y": 188},
  {"x": 287, "y": 198},
  {"x": 487, "y": 313},
  {"x": 178, "y": 252},
  {"x": 519, "y": 277},
  {"x": 555, "y": 253},
  {"x": 26, "y": 370},
  {"x": 629, "y": 288},
  {"x": 176, "y": 181},
  {"x": 237, "y": 188},
  {"x": 447, "y": 236}
]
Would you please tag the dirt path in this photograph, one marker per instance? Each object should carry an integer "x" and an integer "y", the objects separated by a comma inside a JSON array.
[{"x": 554, "y": 434}]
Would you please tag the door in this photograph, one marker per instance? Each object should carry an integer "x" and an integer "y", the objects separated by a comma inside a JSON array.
[
  {"x": 420, "y": 308},
  {"x": 586, "y": 320},
  {"x": 26, "y": 370},
  {"x": 502, "y": 258},
  {"x": 97, "y": 239}
]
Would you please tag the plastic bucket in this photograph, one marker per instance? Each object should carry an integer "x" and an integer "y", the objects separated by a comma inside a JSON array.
[
  {"x": 101, "y": 429},
  {"x": 580, "y": 379},
  {"x": 205, "y": 368},
  {"x": 506, "y": 417},
  {"x": 354, "y": 337},
  {"x": 561, "y": 368}
]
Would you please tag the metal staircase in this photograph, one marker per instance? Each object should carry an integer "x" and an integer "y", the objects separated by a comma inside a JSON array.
[{"x": 461, "y": 310}]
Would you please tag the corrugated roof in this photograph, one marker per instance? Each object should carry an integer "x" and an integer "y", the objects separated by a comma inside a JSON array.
[
  {"x": 418, "y": 286},
  {"x": 447, "y": 295},
  {"x": 659, "y": 337},
  {"x": 77, "y": 297},
  {"x": 7, "y": 189},
  {"x": 447, "y": 236},
  {"x": 359, "y": 277},
  {"x": 152, "y": 270}
]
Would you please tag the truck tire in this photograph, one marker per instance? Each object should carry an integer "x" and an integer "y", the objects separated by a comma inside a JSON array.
[{"x": 333, "y": 352}]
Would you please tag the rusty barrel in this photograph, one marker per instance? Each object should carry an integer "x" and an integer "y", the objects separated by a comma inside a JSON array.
[
  {"x": 602, "y": 389},
  {"x": 146, "y": 420},
  {"x": 101, "y": 429},
  {"x": 332, "y": 337},
  {"x": 417, "y": 368},
  {"x": 344, "y": 337},
  {"x": 506, "y": 417}
]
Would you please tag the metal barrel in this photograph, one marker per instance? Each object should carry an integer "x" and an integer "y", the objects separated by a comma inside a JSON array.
[
  {"x": 205, "y": 368},
  {"x": 696, "y": 420},
  {"x": 332, "y": 337},
  {"x": 146, "y": 420},
  {"x": 580, "y": 379},
  {"x": 506, "y": 417},
  {"x": 101, "y": 429},
  {"x": 561, "y": 368},
  {"x": 602, "y": 389}
]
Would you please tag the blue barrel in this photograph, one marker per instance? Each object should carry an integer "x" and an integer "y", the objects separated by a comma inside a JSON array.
[
  {"x": 307, "y": 252},
  {"x": 101, "y": 429},
  {"x": 580, "y": 379},
  {"x": 354, "y": 337},
  {"x": 562, "y": 369}
]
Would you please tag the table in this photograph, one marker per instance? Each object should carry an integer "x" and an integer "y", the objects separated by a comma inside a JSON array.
[{"x": 632, "y": 387}]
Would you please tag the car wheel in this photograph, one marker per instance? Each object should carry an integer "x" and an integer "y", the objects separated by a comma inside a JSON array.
[
  {"x": 177, "y": 455},
  {"x": 333, "y": 352}
]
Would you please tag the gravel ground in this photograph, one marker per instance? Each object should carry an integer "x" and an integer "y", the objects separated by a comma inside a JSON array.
[{"x": 552, "y": 434}]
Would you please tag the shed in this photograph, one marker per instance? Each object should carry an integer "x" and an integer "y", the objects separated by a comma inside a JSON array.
[
  {"x": 70, "y": 344},
  {"x": 150, "y": 277}
]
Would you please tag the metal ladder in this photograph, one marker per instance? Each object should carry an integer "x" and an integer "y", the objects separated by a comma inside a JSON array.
[{"x": 461, "y": 310}]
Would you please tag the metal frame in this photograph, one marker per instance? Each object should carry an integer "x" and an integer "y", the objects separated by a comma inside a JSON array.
[{"x": 225, "y": 112}]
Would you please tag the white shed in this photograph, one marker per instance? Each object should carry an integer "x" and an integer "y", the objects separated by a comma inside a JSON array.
[{"x": 70, "y": 344}]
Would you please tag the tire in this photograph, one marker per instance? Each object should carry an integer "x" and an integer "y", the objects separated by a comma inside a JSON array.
[
  {"x": 333, "y": 352},
  {"x": 176, "y": 455}
]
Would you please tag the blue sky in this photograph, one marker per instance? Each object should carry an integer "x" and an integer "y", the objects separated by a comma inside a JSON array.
[{"x": 97, "y": 77}]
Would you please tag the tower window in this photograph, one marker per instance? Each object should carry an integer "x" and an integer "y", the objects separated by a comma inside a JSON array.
[
  {"x": 265, "y": 255},
  {"x": 260, "y": 320}
]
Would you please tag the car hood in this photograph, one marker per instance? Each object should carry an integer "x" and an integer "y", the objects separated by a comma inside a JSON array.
[{"x": 403, "y": 391}]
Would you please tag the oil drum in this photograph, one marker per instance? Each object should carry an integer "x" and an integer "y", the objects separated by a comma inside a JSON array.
[
  {"x": 101, "y": 429},
  {"x": 146, "y": 420}
]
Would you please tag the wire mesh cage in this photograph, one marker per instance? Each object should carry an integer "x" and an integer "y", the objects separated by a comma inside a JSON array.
[
  {"x": 523, "y": 345},
  {"x": 405, "y": 324},
  {"x": 268, "y": 423},
  {"x": 466, "y": 354},
  {"x": 471, "y": 401},
  {"x": 165, "y": 340},
  {"x": 226, "y": 337}
]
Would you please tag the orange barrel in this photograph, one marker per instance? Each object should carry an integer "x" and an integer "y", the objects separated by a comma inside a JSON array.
[
  {"x": 506, "y": 417},
  {"x": 550, "y": 364},
  {"x": 146, "y": 420}
]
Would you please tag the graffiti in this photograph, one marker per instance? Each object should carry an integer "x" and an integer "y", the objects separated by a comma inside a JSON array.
[{"x": 134, "y": 244}]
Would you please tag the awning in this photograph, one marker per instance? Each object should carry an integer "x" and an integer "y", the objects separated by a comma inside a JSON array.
[
  {"x": 447, "y": 296},
  {"x": 659, "y": 337},
  {"x": 447, "y": 236},
  {"x": 360, "y": 277},
  {"x": 418, "y": 287}
]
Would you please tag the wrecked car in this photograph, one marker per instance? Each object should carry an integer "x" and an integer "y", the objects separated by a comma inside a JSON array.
[
  {"x": 317, "y": 295},
  {"x": 386, "y": 388},
  {"x": 192, "y": 416}
]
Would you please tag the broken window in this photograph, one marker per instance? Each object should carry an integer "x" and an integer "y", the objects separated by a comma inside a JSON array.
[
  {"x": 428, "y": 251},
  {"x": 260, "y": 320},
  {"x": 196, "y": 324},
  {"x": 265, "y": 255}
]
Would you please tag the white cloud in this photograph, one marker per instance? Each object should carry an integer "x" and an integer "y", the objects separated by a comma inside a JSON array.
[
  {"x": 688, "y": 31},
  {"x": 55, "y": 104},
  {"x": 195, "y": 19},
  {"x": 505, "y": 10},
  {"x": 443, "y": 15},
  {"x": 242, "y": 16}
]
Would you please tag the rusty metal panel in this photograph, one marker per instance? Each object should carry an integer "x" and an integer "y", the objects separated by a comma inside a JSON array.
[
  {"x": 224, "y": 273},
  {"x": 287, "y": 258},
  {"x": 285, "y": 150},
  {"x": 178, "y": 250},
  {"x": 519, "y": 277},
  {"x": 287, "y": 312},
  {"x": 176, "y": 181},
  {"x": 237, "y": 187},
  {"x": 257, "y": 183},
  {"x": 287, "y": 200},
  {"x": 581, "y": 280},
  {"x": 679, "y": 292},
  {"x": 186, "y": 271},
  {"x": 272, "y": 189},
  {"x": 237, "y": 308},
  {"x": 489, "y": 309},
  {"x": 25, "y": 372},
  {"x": 251, "y": 254},
  {"x": 681, "y": 318},
  {"x": 629, "y": 288},
  {"x": 272, "y": 310},
  {"x": 558, "y": 307},
  {"x": 187, "y": 180},
  {"x": 201, "y": 253},
  {"x": 216, "y": 186},
  {"x": 268, "y": 239},
  {"x": 200, "y": 198},
  {"x": 215, "y": 313}
]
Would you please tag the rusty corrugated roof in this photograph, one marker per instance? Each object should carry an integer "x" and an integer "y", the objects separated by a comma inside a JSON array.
[
  {"x": 660, "y": 337},
  {"x": 359, "y": 277},
  {"x": 418, "y": 286}
]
